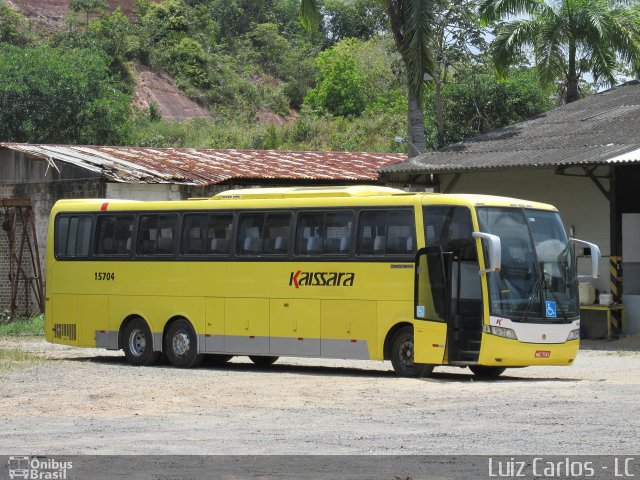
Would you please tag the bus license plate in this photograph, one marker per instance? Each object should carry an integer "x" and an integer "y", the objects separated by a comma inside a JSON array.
[{"x": 542, "y": 354}]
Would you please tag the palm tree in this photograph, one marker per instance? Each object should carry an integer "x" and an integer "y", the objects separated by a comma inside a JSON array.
[
  {"x": 411, "y": 24},
  {"x": 568, "y": 37}
]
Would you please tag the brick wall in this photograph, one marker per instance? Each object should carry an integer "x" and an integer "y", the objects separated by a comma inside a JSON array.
[{"x": 42, "y": 196}]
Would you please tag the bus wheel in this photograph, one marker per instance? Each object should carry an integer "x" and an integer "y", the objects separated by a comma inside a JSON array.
[
  {"x": 402, "y": 355},
  {"x": 181, "y": 345},
  {"x": 138, "y": 344},
  {"x": 215, "y": 360},
  {"x": 263, "y": 361},
  {"x": 486, "y": 372}
]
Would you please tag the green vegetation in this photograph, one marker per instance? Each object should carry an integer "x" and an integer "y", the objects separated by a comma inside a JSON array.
[
  {"x": 15, "y": 358},
  {"x": 54, "y": 95},
  {"x": 569, "y": 38},
  {"x": 340, "y": 86},
  {"x": 21, "y": 326}
]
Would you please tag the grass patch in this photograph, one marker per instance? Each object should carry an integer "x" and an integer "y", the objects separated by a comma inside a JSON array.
[
  {"x": 22, "y": 326},
  {"x": 14, "y": 358}
]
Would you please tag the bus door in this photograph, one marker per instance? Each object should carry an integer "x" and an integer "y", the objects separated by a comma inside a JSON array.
[
  {"x": 430, "y": 306},
  {"x": 448, "y": 287}
]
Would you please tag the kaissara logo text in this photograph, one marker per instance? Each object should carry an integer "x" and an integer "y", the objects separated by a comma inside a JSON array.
[{"x": 321, "y": 279}]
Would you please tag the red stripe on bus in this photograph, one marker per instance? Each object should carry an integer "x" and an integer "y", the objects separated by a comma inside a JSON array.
[{"x": 104, "y": 206}]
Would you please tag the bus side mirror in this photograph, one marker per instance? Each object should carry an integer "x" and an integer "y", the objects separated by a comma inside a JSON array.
[
  {"x": 595, "y": 256},
  {"x": 495, "y": 251}
]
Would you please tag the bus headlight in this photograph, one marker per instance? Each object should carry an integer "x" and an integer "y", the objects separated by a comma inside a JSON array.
[
  {"x": 500, "y": 331},
  {"x": 574, "y": 334}
]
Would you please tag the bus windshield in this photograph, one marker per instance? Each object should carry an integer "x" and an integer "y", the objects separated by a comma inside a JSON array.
[{"x": 537, "y": 281}]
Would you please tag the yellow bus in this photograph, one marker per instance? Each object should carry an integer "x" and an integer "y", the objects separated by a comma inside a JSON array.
[{"x": 359, "y": 272}]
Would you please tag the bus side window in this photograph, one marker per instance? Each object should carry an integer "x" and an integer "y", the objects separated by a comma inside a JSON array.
[
  {"x": 113, "y": 235},
  {"x": 156, "y": 235},
  {"x": 219, "y": 233},
  {"x": 73, "y": 236},
  {"x": 276, "y": 233},
  {"x": 194, "y": 228},
  {"x": 324, "y": 233},
  {"x": 250, "y": 234},
  {"x": 309, "y": 233},
  {"x": 386, "y": 232},
  {"x": 372, "y": 233},
  {"x": 338, "y": 233}
]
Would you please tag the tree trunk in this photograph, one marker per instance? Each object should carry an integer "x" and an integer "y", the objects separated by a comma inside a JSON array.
[
  {"x": 415, "y": 117},
  {"x": 572, "y": 88},
  {"x": 438, "y": 99},
  {"x": 572, "y": 77}
]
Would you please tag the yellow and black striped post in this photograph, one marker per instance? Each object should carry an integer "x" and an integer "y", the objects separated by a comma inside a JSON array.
[{"x": 615, "y": 270}]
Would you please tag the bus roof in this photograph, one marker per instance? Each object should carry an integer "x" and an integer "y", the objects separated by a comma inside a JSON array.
[
  {"x": 308, "y": 196},
  {"x": 308, "y": 192}
]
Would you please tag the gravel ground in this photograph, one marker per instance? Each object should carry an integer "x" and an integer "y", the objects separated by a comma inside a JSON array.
[{"x": 84, "y": 401}]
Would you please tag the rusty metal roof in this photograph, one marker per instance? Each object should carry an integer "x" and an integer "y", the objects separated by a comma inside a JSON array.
[{"x": 190, "y": 166}]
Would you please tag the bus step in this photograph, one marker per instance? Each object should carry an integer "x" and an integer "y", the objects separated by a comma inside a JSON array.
[
  {"x": 462, "y": 363},
  {"x": 470, "y": 353}
]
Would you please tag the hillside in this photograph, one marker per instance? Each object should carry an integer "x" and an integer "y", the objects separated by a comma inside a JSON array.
[
  {"x": 48, "y": 13},
  {"x": 151, "y": 86}
]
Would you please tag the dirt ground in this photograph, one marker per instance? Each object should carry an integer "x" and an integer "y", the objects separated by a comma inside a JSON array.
[{"x": 83, "y": 401}]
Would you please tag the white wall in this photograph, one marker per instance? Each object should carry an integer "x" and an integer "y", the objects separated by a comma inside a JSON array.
[
  {"x": 580, "y": 203},
  {"x": 141, "y": 191}
]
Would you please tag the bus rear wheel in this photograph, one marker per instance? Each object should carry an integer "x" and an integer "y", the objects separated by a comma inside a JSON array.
[
  {"x": 138, "y": 344},
  {"x": 181, "y": 345},
  {"x": 263, "y": 360},
  {"x": 402, "y": 355},
  {"x": 486, "y": 372}
]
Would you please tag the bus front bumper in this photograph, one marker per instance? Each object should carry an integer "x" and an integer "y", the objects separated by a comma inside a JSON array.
[{"x": 504, "y": 352}]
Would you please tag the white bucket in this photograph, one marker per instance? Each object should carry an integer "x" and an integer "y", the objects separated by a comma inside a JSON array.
[
  {"x": 586, "y": 293},
  {"x": 605, "y": 299}
]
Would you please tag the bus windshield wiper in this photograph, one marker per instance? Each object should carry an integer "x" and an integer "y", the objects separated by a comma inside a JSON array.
[{"x": 534, "y": 291}]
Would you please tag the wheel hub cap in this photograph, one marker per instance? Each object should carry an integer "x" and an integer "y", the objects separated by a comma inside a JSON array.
[
  {"x": 137, "y": 342},
  {"x": 406, "y": 353},
  {"x": 181, "y": 344}
]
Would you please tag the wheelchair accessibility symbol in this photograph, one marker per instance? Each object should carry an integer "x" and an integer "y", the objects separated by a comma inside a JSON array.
[{"x": 550, "y": 308}]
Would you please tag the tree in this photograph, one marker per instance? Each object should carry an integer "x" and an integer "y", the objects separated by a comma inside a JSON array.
[
  {"x": 14, "y": 28},
  {"x": 88, "y": 6},
  {"x": 50, "y": 95},
  {"x": 411, "y": 23},
  {"x": 568, "y": 37},
  {"x": 340, "y": 85},
  {"x": 355, "y": 77},
  {"x": 361, "y": 19},
  {"x": 457, "y": 38},
  {"x": 475, "y": 100}
]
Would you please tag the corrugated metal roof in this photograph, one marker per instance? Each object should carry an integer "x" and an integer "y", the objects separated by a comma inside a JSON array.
[
  {"x": 190, "y": 166},
  {"x": 599, "y": 129}
]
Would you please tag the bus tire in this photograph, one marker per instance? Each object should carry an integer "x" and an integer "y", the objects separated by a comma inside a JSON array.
[
  {"x": 402, "y": 355},
  {"x": 216, "y": 359},
  {"x": 138, "y": 344},
  {"x": 263, "y": 360},
  {"x": 181, "y": 345},
  {"x": 486, "y": 372}
]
